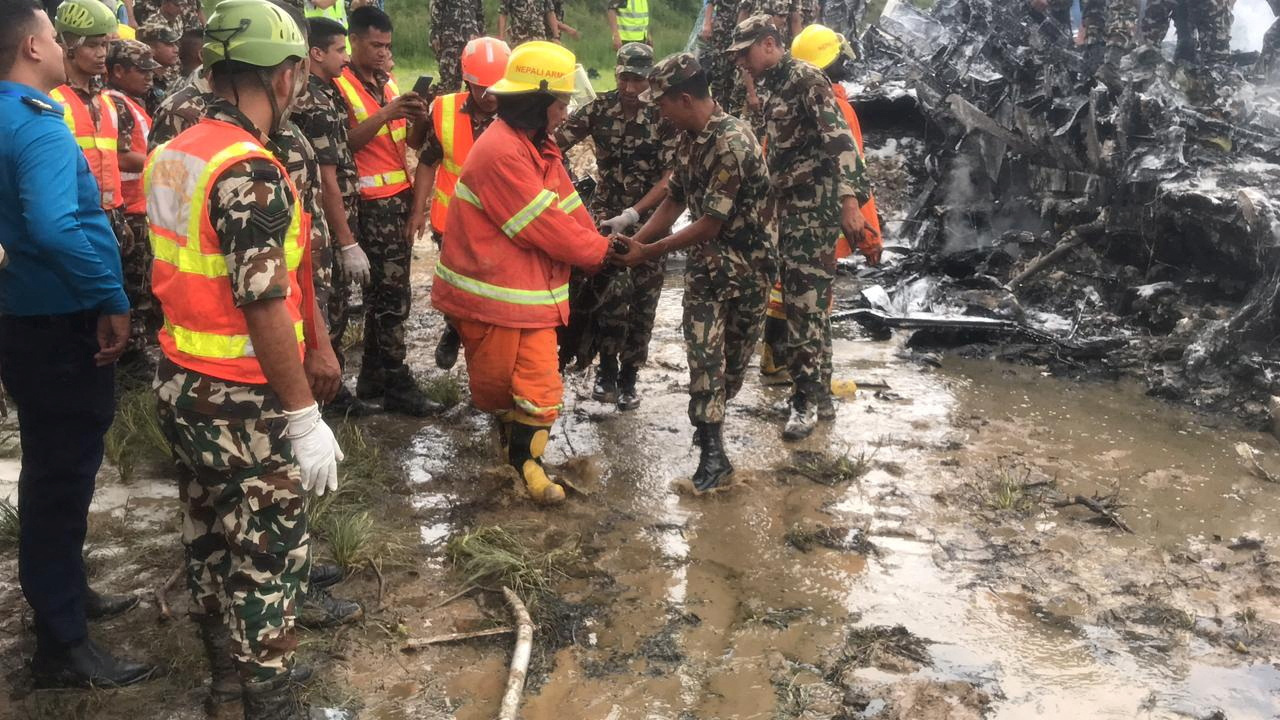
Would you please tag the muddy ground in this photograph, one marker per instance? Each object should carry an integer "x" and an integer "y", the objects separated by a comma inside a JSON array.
[{"x": 915, "y": 559}]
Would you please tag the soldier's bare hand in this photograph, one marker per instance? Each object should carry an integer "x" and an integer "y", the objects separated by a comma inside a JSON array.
[
  {"x": 851, "y": 220},
  {"x": 324, "y": 374},
  {"x": 627, "y": 252}
]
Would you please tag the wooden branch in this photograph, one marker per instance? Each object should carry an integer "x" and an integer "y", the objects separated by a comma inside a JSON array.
[
  {"x": 417, "y": 643},
  {"x": 452, "y": 597},
  {"x": 1097, "y": 507},
  {"x": 1073, "y": 239},
  {"x": 519, "y": 659},
  {"x": 160, "y": 592}
]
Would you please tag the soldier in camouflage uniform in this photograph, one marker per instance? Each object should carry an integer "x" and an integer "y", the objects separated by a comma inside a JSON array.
[
  {"x": 520, "y": 21},
  {"x": 454, "y": 23},
  {"x": 720, "y": 176},
  {"x": 246, "y": 452},
  {"x": 820, "y": 185},
  {"x": 1110, "y": 22},
  {"x": 177, "y": 15},
  {"x": 634, "y": 150},
  {"x": 164, "y": 49},
  {"x": 717, "y": 29}
]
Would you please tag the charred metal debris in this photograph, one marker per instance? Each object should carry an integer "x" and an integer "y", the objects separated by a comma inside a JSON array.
[{"x": 1121, "y": 227}]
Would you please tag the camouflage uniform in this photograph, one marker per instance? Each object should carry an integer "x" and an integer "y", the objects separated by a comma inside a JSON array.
[
  {"x": 719, "y": 67},
  {"x": 1212, "y": 21},
  {"x": 453, "y": 24},
  {"x": 165, "y": 78},
  {"x": 322, "y": 119},
  {"x": 192, "y": 101},
  {"x": 387, "y": 296},
  {"x": 1114, "y": 22},
  {"x": 245, "y": 524},
  {"x": 720, "y": 172},
  {"x": 526, "y": 20},
  {"x": 814, "y": 164},
  {"x": 633, "y": 154},
  {"x": 148, "y": 11}
]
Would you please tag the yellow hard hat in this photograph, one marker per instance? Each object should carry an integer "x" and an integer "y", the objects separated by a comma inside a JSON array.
[
  {"x": 124, "y": 32},
  {"x": 817, "y": 45},
  {"x": 538, "y": 66}
]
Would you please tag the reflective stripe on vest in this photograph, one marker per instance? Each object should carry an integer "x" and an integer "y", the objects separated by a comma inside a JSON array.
[
  {"x": 454, "y": 131},
  {"x": 381, "y": 162},
  {"x": 135, "y": 202},
  {"x": 554, "y": 296},
  {"x": 203, "y": 329},
  {"x": 336, "y": 12},
  {"x": 633, "y": 21},
  {"x": 99, "y": 142},
  {"x": 540, "y": 203}
]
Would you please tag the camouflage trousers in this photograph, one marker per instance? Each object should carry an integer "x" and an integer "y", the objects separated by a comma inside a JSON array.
[
  {"x": 338, "y": 308},
  {"x": 386, "y": 297},
  {"x": 720, "y": 335},
  {"x": 244, "y": 529},
  {"x": 722, "y": 75},
  {"x": 808, "y": 279},
  {"x": 449, "y": 60},
  {"x": 1112, "y": 21},
  {"x": 145, "y": 317},
  {"x": 624, "y": 322},
  {"x": 1204, "y": 25}
]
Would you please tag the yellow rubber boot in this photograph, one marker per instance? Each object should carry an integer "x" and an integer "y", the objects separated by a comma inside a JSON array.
[{"x": 528, "y": 442}]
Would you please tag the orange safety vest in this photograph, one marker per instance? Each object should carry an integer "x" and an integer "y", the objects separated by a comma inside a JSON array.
[
  {"x": 380, "y": 163},
  {"x": 98, "y": 142},
  {"x": 203, "y": 329},
  {"x": 453, "y": 129},
  {"x": 865, "y": 244},
  {"x": 135, "y": 202}
]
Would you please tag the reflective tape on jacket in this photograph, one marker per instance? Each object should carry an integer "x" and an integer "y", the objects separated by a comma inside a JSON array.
[
  {"x": 99, "y": 141},
  {"x": 203, "y": 329},
  {"x": 453, "y": 130},
  {"x": 380, "y": 164},
  {"x": 515, "y": 296},
  {"x": 135, "y": 201},
  {"x": 633, "y": 21}
]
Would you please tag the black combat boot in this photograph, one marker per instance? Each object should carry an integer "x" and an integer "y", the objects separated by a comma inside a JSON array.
[
  {"x": 405, "y": 397},
  {"x": 105, "y": 607},
  {"x": 606, "y": 388},
  {"x": 224, "y": 681},
  {"x": 371, "y": 384},
  {"x": 320, "y": 610},
  {"x": 274, "y": 700},
  {"x": 627, "y": 397},
  {"x": 447, "y": 348},
  {"x": 84, "y": 665},
  {"x": 324, "y": 575},
  {"x": 346, "y": 405},
  {"x": 714, "y": 467}
]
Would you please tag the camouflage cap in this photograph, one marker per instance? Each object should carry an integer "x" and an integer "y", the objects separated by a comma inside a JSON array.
[
  {"x": 158, "y": 33},
  {"x": 672, "y": 71},
  {"x": 749, "y": 31},
  {"x": 634, "y": 58},
  {"x": 774, "y": 7},
  {"x": 131, "y": 52}
]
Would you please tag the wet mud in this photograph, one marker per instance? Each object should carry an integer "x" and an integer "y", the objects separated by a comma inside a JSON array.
[{"x": 910, "y": 560}]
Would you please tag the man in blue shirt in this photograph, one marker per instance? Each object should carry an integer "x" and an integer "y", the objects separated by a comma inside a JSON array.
[{"x": 64, "y": 321}]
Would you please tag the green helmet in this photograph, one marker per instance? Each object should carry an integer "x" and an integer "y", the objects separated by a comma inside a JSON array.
[
  {"x": 254, "y": 32},
  {"x": 85, "y": 18}
]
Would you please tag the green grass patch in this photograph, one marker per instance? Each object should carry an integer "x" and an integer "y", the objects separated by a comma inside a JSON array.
[
  {"x": 8, "y": 524},
  {"x": 135, "y": 436},
  {"x": 443, "y": 388},
  {"x": 493, "y": 557},
  {"x": 831, "y": 470}
]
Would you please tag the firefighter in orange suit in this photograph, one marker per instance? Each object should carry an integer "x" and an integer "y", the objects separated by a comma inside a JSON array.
[
  {"x": 457, "y": 119},
  {"x": 515, "y": 228},
  {"x": 821, "y": 46}
]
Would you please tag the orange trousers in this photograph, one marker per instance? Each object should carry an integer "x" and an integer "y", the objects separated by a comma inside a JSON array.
[{"x": 513, "y": 371}]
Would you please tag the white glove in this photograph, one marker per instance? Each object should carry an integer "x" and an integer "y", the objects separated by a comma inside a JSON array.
[
  {"x": 620, "y": 223},
  {"x": 355, "y": 264},
  {"x": 315, "y": 448}
]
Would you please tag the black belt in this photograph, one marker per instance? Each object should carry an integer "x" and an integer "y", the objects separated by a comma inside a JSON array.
[{"x": 75, "y": 320}]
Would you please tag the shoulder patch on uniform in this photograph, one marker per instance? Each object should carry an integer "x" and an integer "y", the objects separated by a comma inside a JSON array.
[
  {"x": 37, "y": 103},
  {"x": 265, "y": 173},
  {"x": 269, "y": 221}
]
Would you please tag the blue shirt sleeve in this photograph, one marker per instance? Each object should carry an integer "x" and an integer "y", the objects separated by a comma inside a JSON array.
[{"x": 48, "y": 165}]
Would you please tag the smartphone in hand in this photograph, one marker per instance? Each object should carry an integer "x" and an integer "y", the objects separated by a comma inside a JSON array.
[{"x": 423, "y": 87}]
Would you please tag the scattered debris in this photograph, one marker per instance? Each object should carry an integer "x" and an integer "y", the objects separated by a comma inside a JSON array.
[
  {"x": 162, "y": 605},
  {"x": 848, "y": 539},
  {"x": 1251, "y": 458},
  {"x": 1104, "y": 505},
  {"x": 831, "y": 470},
  {"x": 492, "y": 557},
  {"x": 872, "y": 646}
]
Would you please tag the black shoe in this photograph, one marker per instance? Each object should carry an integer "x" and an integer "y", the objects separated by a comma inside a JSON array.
[
  {"x": 275, "y": 700},
  {"x": 606, "y": 387},
  {"x": 347, "y": 405},
  {"x": 105, "y": 607},
  {"x": 324, "y": 575},
  {"x": 321, "y": 610},
  {"x": 371, "y": 383},
  {"x": 627, "y": 397},
  {"x": 85, "y": 665},
  {"x": 714, "y": 467},
  {"x": 224, "y": 681},
  {"x": 447, "y": 348},
  {"x": 405, "y": 397}
]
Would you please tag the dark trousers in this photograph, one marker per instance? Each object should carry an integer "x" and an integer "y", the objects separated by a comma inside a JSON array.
[{"x": 65, "y": 405}]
